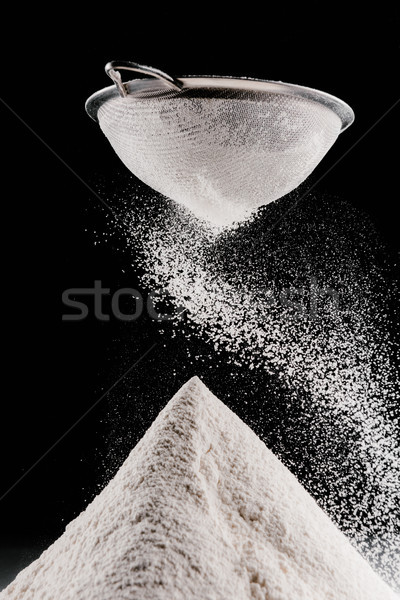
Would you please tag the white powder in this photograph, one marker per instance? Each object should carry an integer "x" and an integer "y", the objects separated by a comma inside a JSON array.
[
  {"x": 339, "y": 366},
  {"x": 220, "y": 154},
  {"x": 201, "y": 509}
]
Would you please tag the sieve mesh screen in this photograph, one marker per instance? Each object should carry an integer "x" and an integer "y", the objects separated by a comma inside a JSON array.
[{"x": 221, "y": 153}]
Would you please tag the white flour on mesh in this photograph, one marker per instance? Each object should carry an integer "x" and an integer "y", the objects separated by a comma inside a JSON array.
[
  {"x": 224, "y": 156},
  {"x": 339, "y": 356},
  {"x": 201, "y": 509}
]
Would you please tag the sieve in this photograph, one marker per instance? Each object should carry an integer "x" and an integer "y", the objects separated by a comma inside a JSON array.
[{"x": 221, "y": 146}]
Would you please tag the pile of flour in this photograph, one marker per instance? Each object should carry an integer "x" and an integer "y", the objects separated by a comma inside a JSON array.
[{"x": 201, "y": 509}]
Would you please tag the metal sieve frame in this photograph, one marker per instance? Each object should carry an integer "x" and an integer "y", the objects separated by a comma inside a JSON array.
[{"x": 192, "y": 82}]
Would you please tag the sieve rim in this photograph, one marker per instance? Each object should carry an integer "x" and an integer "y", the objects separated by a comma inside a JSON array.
[{"x": 338, "y": 106}]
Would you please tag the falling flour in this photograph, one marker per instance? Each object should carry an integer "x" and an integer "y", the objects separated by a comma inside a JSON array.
[
  {"x": 302, "y": 294},
  {"x": 201, "y": 509}
]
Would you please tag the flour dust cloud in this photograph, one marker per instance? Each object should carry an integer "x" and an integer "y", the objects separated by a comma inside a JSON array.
[{"x": 305, "y": 294}]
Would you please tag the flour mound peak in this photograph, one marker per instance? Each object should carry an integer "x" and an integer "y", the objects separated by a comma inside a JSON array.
[{"x": 200, "y": 510}]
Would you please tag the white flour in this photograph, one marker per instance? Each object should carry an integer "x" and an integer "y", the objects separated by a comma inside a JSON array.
[
  {"x": 201, "y": 509},
  {"x": 221, "y": 155},
  {"x": 338, "y": 364}
]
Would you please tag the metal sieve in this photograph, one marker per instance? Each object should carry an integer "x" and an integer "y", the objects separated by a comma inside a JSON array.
[{"x": 221, "y": 146}]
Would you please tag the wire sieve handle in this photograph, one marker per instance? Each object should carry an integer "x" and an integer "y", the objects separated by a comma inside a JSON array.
[{"x": 114, "y": 66}]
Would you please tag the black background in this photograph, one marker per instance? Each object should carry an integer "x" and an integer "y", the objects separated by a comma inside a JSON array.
[{"x": 54, "y": 371}]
